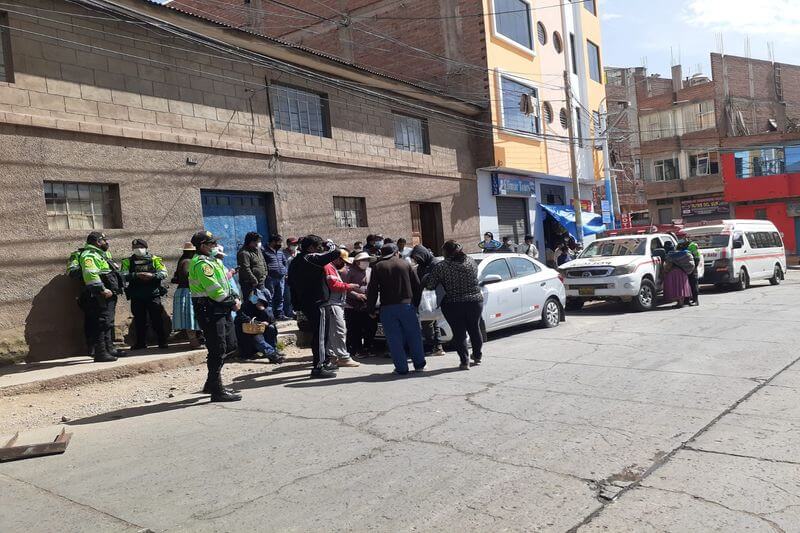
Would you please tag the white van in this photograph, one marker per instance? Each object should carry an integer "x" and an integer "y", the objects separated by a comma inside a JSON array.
[{"x": 737, "y": 252}]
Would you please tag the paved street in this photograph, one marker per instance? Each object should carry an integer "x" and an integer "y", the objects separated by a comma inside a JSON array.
[{"x": 674, "y": 420}]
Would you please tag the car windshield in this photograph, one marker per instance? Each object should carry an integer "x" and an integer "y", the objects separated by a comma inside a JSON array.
[
  {"x": 711, "y": 240},
  {"x": 615, "y": 247}
]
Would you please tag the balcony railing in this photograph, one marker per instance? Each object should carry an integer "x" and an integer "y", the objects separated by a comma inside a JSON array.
[{"x": 767, "y": 162}]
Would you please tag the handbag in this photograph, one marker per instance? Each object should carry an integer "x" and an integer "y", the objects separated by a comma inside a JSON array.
[{"x": 253, "y": 327}]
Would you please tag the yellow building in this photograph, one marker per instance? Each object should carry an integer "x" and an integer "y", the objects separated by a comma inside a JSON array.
[{"x": 530, "y": 44}]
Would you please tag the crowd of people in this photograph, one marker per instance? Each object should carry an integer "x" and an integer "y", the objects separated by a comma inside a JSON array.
[
  {"x": 338, "y": 294},
  {"x": 681, "y": 283}
]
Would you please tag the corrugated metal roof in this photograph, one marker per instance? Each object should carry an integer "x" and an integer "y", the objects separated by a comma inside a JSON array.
[{"x": 175, "y": 7}]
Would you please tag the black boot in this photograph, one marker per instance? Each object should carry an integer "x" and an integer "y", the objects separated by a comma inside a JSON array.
[
  {"x": 207, "y": 388},
  {"x": 220, "y": 394},
  {"x": 101, "y": 354},
  {"x": 464, "y": 363},
  {"x": 110, "y": 348}
]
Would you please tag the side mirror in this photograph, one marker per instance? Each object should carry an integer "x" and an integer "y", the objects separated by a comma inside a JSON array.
[
  {"x": 660, "y": 253},
  {"x": 490, "y": 279},
  {"x": 738, "y": 243}
]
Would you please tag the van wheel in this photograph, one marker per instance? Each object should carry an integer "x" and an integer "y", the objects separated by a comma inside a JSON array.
[
  {"x": 744, "y": 280},
  {"x": 551, "y": 314},
  {"x": 646, "y": 299},
  {"x": 777, "y": 276},
  {"x": 574, "y": 304}
]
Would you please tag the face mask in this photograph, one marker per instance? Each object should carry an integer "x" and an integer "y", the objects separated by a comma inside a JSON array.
[
  {"x": 259, "y": 246},
  {"x": 253, "y": 299},
  {"x": 140, "y": 252},
  {"x": 378, "y": 244},
  {"x": 293, "y": 249},
  {"x": 214, "y": 251},
  {"x": 363, "y": 265}
]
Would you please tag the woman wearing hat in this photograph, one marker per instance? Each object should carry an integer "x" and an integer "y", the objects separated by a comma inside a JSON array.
[{"x": 182, "y": 310}]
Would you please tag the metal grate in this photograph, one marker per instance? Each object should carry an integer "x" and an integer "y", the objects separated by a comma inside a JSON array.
[{"x": 350, "y": 212}]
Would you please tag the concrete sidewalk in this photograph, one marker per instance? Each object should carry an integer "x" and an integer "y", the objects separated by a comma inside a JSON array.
[{"x": 27, "y": 378}]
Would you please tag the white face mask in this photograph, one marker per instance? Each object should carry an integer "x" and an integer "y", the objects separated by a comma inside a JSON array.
[
  {"x": 260, "y": 246},
  {"x": 378, "y": 244},
  {"x": 363, "y": 265},
  {"x": 140, "y": 252},
  {"x": 214, "y": 251},
  {"x": 293, "y": 248}
]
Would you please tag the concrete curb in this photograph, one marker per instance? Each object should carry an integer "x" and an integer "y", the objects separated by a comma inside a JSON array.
[{"x": 190, "y": 358}]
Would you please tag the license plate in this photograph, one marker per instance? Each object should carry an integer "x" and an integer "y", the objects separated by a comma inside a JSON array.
[{"x": 586, "y": 291}]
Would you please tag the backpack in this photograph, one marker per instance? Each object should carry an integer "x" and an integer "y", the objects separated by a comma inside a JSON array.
[{"x": 74, "y": 265}]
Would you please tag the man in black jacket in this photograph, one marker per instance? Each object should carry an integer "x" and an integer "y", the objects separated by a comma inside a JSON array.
[
  {"x": 309, "y": 290},
  {"x": 252, "y": 266}
]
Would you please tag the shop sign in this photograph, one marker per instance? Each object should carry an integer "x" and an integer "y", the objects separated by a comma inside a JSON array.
[
  {"x": 510, "y": 185},
  {"x": 586, "y": 205},
  {"x": 605, "y": 206},
  {"x": 626, "y": 221},
  {"x": 704, "y": 207}
]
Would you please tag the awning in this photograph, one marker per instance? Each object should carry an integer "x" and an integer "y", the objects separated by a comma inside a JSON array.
[{"x": 565, "y": 215}]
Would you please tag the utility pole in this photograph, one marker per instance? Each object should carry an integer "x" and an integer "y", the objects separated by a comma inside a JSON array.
[
  {"x": 576, "y": 186},
  {"x": 610, "y": 192}
]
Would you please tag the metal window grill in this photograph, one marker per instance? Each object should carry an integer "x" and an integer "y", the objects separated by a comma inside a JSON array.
[
  {"x": 349, "y": 212},
  {"x": 411, "y": 134}
]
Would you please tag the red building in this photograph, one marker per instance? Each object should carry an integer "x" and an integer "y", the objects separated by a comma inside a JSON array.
[{"x": 764, "y": 183}]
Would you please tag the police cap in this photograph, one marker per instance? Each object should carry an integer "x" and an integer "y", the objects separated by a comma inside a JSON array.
[
  {"x": 139, "y": 243},
  {"x": 95, "y": 237},
  {"x": 203, "y": 237}
]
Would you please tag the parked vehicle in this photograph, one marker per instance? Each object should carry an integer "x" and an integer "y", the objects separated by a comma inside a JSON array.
[
  {"x": 624, "y": 268},
  {"x": 516, "y": 290},
  {"x": 737, "y": 252}
]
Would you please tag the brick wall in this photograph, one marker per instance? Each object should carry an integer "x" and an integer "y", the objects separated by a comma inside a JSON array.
[{"x": 164, "y": 89}]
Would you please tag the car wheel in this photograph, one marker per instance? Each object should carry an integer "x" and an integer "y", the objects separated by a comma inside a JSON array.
[
  {"x": 777, "y": 276},
  {"x": 744, "y": 280},
  {"x": 646, "y": 299},
  {"x": 551, "y": 314},
  {"x": 574, "y": 304}
]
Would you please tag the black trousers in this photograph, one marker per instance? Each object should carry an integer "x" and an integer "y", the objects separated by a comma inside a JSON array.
[
  {"x": 100, "y": 321},
  {"x": 361, "y": 330},
  {"x": 319, "y": 335},
  {"x": 694, "y": 283},
  {"x": 142, "y": 309},
  {"x": 430, "y": 335},
  {"x": 465, "y": 318},
  {"x": 217, "y": 325}
]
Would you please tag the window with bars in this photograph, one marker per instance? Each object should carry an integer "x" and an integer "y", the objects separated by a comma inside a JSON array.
[
  {"x": 513, "y": 117},
  {"x": 512, "y": 20},
  {"x": 411, "y": 134},
  {"x": 350, "y": 212},
  {"x": 300, "y": 111},
  {"x": 81, "y": 205},
  {"x": 6, "y": 67}
]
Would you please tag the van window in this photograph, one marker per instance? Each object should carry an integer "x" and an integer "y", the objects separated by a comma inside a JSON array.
[
  {"x": 711, "y": 240},
  {"x": 776, "y": 239}
]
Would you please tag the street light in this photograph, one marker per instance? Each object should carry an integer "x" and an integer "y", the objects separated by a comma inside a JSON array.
[{"x": 603, "y": 111}]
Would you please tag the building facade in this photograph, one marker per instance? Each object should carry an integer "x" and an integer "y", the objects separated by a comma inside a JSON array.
[
  {"x": 107, "y": 122},
  {"x": 492, "y": 53},
  {"x": 684, "y": 121}
]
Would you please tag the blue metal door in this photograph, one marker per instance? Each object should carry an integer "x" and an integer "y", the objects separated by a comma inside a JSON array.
[{"x": 230, "y": 215}]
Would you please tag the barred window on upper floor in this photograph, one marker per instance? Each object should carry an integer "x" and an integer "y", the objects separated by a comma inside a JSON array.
[
  {"x": 81, "y": 205},
  {"x": 300, "y": 110},
  {"x": 411, "y": 134},
  {"x": 6, "y": 65},
  {"x": 350, "y": 211}
]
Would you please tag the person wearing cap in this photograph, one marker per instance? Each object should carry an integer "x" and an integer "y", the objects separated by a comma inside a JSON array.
[
  {"x": 144, "y": 273},
  {"x": 290, "y": 252},
  {"x": 374, "y": 244},
  {"x": 332, "y": 311},
  {"x": 182, "y": 310},
  {"x": 277, "y": 267},
  {"x": 257, "y": 307},
  {"x": 102, "y": 284},
  {"x": 252, "y": 267},
  {"x": 309, "y": 289},
  {"x": 395, "y": 282},
  {"x": 361, "y": 327},
  {"x": 213, "y": 301},
  {"x": 686, "y": 243}
]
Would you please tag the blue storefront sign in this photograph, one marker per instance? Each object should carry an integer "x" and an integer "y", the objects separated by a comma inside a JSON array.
[{"x": 510, "y": 185}]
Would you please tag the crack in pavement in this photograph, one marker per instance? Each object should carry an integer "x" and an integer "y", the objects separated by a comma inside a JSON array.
[
  {"x": 742, "y": 456},
  {"x": 668, "y": 456},
  {"x": 769, "y": 522},
  {"x": 74, "y": 502}
]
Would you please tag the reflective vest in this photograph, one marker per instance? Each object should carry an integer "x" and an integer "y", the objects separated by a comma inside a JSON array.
[
  {"x": 99, "y": 270},
  {"x": 207, "y": 279}
]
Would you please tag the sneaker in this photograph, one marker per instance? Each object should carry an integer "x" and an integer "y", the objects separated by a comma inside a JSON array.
[
  {"x": 322, "y": 373},
  {"x": 476, "y": 360},
  {"x": 348, "y": 363},
  {"x": 438, "y": 351},
  {"x": 463, "y": 366},
  {"x": 420, "y": 369}
]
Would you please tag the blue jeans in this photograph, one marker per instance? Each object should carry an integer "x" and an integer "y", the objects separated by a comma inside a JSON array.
[
  {"x": 401, "y": 327},
  {"x": 288, "y": 310},
  {"x": 275, "y": 286}
]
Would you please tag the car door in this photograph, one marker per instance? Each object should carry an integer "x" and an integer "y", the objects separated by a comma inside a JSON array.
[
  {"x": 533, "y": 283},
  {"x": 503, "y": 299},
  {"x": 657, "y": 244}
]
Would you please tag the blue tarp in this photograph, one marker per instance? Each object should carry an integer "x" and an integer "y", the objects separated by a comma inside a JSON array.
[{"x": 565, "y": 215}]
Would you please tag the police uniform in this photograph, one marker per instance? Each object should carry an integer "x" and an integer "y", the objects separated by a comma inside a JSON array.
[
  {"x": 100, "y": 273},
  {"x": 145, "y": 295},
  {"x": 213, "y": 301}
]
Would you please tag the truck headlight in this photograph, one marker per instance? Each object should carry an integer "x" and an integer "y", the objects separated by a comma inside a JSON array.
[{"x": 624, "y": 269}]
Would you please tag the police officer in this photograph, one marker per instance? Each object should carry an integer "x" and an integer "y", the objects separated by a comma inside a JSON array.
[
  {"x": 102, "y": 283},
  {"x": 144, "y": 273},
  {"x": 213, "y": 302}
]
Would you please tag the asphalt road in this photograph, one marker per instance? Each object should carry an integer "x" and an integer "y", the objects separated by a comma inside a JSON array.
[{"x": 673, "y": 420}]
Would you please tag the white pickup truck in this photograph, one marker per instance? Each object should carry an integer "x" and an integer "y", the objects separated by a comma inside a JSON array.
[{"x": 622, "y": 268}]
